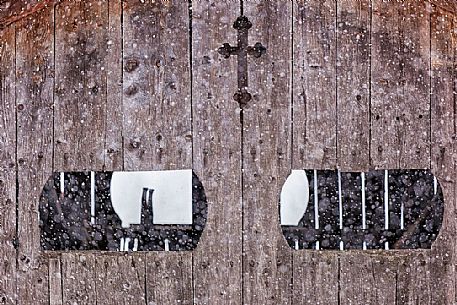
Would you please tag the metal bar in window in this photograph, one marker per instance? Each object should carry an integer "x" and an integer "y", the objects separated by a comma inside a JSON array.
[
  {"x": 364, "y": 216},
  {"x": 435, "y": 185},
  {"x": 316, "y": 206},
  {"x": 122, "y": 244},
  {"x": 135, "y": 244},
  {"x": 386, "y": 204},
  {"x": 62, "y": 182},
  {"x": 92, "y": 197}
]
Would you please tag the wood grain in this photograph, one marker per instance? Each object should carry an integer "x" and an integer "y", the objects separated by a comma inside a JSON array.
[
  {"x": 353, "y": 77},
  {"x": 81, "y": 35},
  {"x": 217, "y": 269},
  {"x": 443, "y": 133},
  {"x": 80, "y": 95},
  {"x": 413, "y": 279},
  {"x": 7, "y": 166},
  {"x": 55, "y": 281},
  {"x": 315, "y": 130},
  {"x": 367, "y": 279},
  {"x": 142, "y": 96},
  {"x": 315, "y": 277},
  {"x": 124, "y": 273},
  {"x": 114, "y": 111},
  {"x": 314, "y": 84},
  {"x": 120, "y": 279},
  {"x": 34, "y": 88},
  {"x": 267, "y": 155},
  {"x": 173, "y": 273},
  {"x": 78, "y": 273},
  {"x": 156, "y": 84},
  {"x": 157, "y": 118},
  {"x": 400, "y": 83}
]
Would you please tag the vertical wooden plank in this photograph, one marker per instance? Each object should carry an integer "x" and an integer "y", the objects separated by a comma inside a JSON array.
[
  {"x": 124, "y": 274},
  {"x": 7, "y": 166},
  {"x": 443, "y": 132},
  {"x": 86, "y": 113},
  {"x": 367, "y": 279},
  {"x": 78, "y": 278},
  {"x": 120, "y": 279},
  {"x": 267, "y": 155},
  {"x": 157, "y": 129},
  {"x": 315, "y": 278},
  {"x": 400, "y": 116},
  {"x": 314, "y": 130},
  {"x": 80, "y": 93},
  {"x": 114, "y": 115},
  {"x": 217, "y": 153},
  {"x": 55, "y": 281},
  {"x": 34, "y": 87},
  {"x": 353, "y": 77},
  {"x": 413, "y": 279},
  {"x": 314, "y": 84},
  {"x": 174, "y": 272},
  {"x": 157, "y": 117}
]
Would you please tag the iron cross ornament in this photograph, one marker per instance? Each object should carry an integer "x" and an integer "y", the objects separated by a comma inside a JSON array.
[{"x": 242, "y": 25}]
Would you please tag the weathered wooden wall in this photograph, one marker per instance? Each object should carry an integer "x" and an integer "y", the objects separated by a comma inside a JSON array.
[{"x": 139, "y": 85}]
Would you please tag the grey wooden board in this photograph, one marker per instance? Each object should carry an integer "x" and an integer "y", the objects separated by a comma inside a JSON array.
[
  {"x": 443, "y": 132},
  {"x": 80, "y": 87},
  {"x": 34, "y": 100},
  {"x": 79, "y": 116},
  {"x": 353, "y": 77},
  {"x": 315, "y": 277},
  {"x": 413, "y": 279},
  {"x": 314, "y": 67},
  {"x": 209, "y": 122},
  {"x": 400, "y": 103},
  {"x": 157, "y": 128},
  {"x": 216, "y": 140},
  {"x": 120, "y": 279},
  {"x": 169, "y": 278},
  {"x": 7, "y": 166},
  {"x": 367, "y": 279},
  {"x": 266, "y": 149},
  {"x": 78, "y": 278},
  {"x": 314, "y": 129},
  {"x": 113, "y": 128},
  {"x": 156, "y": 85}
]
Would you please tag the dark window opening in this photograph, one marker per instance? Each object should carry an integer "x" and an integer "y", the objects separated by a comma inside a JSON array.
[
  {"x": 380, "y": 209},
  {"x": 122, "y": 211}
]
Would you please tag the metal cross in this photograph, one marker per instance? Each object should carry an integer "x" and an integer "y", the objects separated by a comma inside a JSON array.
[{"x": 242, "y": 24}]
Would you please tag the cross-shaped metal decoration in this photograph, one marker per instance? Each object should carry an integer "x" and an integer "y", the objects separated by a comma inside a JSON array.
[{"x": 242, "y": 24}]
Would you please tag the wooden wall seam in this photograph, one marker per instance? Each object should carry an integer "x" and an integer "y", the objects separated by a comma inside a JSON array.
[{"x": 8, "y": 166}]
